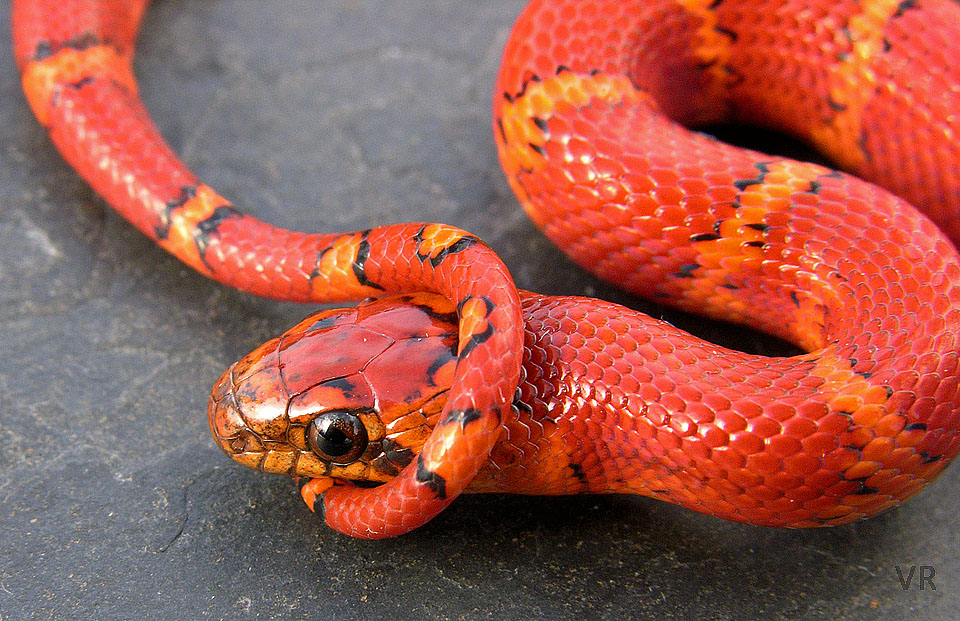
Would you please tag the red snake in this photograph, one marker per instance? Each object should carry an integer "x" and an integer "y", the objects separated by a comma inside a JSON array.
[{"x": 395, "y": 407}]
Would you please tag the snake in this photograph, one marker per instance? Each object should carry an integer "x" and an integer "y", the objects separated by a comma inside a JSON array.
[{"x": 444, "y": 378}]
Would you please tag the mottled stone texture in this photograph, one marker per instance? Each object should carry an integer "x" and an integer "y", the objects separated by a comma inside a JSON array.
[{"x": 114, "y": 501}]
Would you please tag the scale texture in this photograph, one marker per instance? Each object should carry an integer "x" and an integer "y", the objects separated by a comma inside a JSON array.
[{"x": 586, "y": 125}]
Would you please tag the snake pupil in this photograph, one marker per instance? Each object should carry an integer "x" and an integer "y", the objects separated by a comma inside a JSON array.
[
  {"x": 337, "y": 437},
  {"x": 334, "y": 442}
]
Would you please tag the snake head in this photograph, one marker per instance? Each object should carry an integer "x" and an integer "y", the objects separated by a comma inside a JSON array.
[{"x": 349, "y": 394}]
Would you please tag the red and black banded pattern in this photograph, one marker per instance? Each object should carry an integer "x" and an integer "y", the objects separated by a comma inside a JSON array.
[
  {"x": 76, "y": 57},
  {"x": 590, "y": 110}
]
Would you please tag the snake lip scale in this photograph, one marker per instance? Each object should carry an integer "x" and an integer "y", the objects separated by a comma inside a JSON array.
[{"x": 448, "y": 379}]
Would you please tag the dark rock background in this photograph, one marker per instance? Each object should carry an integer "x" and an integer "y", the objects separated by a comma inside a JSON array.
[{"x": 114, "y": 502}]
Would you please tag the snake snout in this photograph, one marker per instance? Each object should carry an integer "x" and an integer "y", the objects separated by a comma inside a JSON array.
[
  {"x": 231, "y": 430},
  {"x": 224, "y": 417},
  {"x": 222, "y": 413}
]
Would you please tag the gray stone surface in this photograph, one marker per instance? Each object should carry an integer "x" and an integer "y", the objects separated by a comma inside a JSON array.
[{"x": 114, "y": 502}]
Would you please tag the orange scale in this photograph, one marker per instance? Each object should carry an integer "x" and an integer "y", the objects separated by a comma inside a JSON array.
[
  {"x": 782, "y": 447},
  {"x": 864, "y": 503},
  {"x": 716, "y": 401},
  {"x": 664, "y": 177},
  {"x": 822, "y": 479},
  {"x": 904, "y": 265},
  {"x": 651, "y": 227},
  {"x": 558, "y": 50},
  {"x": 757, "y": 515},
  {"x": 611, "y": 191},
  {"x": 380, "y": 510},
  {"x": 857, "y": 256},
  {"x": 759, "y": 382},
  {"x": 706, "y": 467},
  {"x": 764, "y": 494},
  {"x": 581, "y": 148},
  {"x": 946, "y": 392},
  {"x": 673, "y": 403},
  {"x": 783, "y": 481},
  {"x": 706, "y": 496},
  {"x": 839, "y": 460},
  {"x": 820, "y": 503},
  {"x": 764, "y": 463},
  {"x": 951, "y": 271},
  {"x": 683, "y": 425},
  {"x": 711, "y": 271},
  {"x": 862, "y": 470},
  {"x": 802, "y": 464},
  {"x": 555, "y": 151},
  {"x": 724, "y": 487},
  {"x": 764, "y": 427},
  {"x": 820, "y": 444},
  {"x": 881, "y": 480},
  {"x": 782, "y": 411},
  {"x": 835, "y": 513},
  {"x": 925, "y": 294},
  {"x": 728, "y": 245},
  {"x": 682, "y": 464},
  {"x": 751, "y": 263},
  {"x": 677, "y": 237},
  {"x": 833, "y": 425},
  {"x": 797, "y": 517},
  {"x": 932, "y": 261},
  {"x": 728, "y": 458},
  {"x": 801, "y": 198},
  {"x": 744, "y": 479},
  {"x": 713, "y": 437},
  {"x": 745, "y": 443},
  {"x": 928, "y": 384},
  {"x": 365, "y": 514},
  {"x": 698, "y": 220},
  {"x": 920, "y": 412},
  {"x": 746, "y": 406},
  {"x": 910, "y": 488},
  {"x": 859, "y": 437},
  {"x": 930, "y": 361},
  {"x": 877, "y": 281},
  {"x": 635, "y": 162},
  {"x": 947, "y": 447},
  {"x": 943, "y": 304},
  {"x": 726, "y": 221},
  {"x": 942, "y": 417},
  {"x": 684, "y": 496},
  {"x": 668, "y": 441},
  {"x": 583, "y": 120},
  {"x": 878, "y": 504},
  {"x": 582, "y": 175},
  {"x": 733, "y": 376},
  {"x": 910, "y": 285},
  {"x": 610, "y": 162}
]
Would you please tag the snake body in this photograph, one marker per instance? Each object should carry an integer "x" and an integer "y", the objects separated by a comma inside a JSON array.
[{"x": 518, "y": 392}]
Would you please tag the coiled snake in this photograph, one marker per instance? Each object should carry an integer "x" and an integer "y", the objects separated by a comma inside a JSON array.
[{"x": 458, "y": 382}]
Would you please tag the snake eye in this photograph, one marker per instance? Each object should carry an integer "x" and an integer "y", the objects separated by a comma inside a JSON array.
[{"x": 337, "y": 437}]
